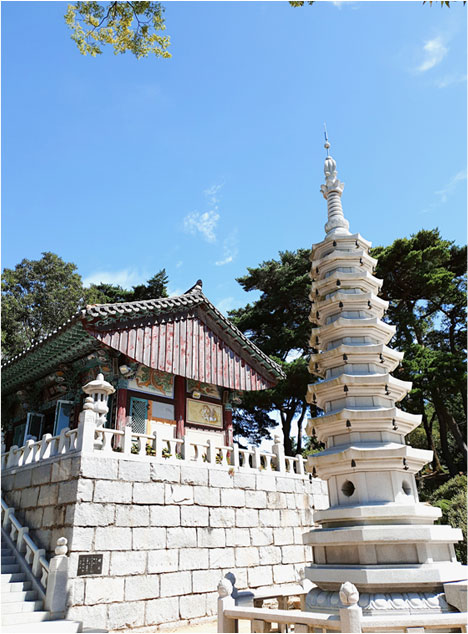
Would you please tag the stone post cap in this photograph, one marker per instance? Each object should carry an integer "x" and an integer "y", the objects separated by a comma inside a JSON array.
[
  {"x": 349, "y": 594},
  {"x": 98, "y": 385},
  {"x": 62, "y": 546},
  {"x": 225, "y": 588}
]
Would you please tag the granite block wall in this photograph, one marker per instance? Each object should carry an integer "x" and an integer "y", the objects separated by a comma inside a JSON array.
[{"x": 167, "y": 532}]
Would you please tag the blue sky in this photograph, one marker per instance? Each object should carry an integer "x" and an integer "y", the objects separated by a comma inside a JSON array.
[{"x": 212, "y": 161}]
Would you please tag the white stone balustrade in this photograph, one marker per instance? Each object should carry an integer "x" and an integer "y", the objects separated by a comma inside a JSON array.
[
  {"x": 349, "y": 619},
  {"x": 88, "y": 438},
  {"x": 51, "y": 576}
]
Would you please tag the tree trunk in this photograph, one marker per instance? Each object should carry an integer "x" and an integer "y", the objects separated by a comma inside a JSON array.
[
  {"x": 446, "y": 422},
  {"x": 299, "y": 429},
  {"x": 450, "y": 421},
  {"x": 436, "y": 466},
  {"x": 286, "y": 424},
  {"x": 444, "y": 445}
]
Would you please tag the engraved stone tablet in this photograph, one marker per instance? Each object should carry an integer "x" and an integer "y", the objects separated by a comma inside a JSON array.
[{"x": 89, "y": 565}]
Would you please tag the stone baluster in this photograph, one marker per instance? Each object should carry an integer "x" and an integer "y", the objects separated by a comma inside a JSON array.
[
  {"x": 44, "y": 452},
  {"x": 36, "y": 565},
  {"x": 86, "y": 428},
  {"x": 28, "y": 452},
  {"x": 278, "y": 450},
  {"x": 351, "y": 613},
  {"x": 299, "y": 464},
  {"x": 12, "y": 457},
  {"x": 57, "y": 581},
  {"x": 256, "y": 458},
  {"x": 63, "y": 441},
  {"x": 225, "y": 601},
  {"x": 20, "y": 545},
  {"x": 158, "y": 445},
  {"x": 235, "y": 455},
  {"x": 127, "y": 440},
  {"x": 211, "y": 452}
]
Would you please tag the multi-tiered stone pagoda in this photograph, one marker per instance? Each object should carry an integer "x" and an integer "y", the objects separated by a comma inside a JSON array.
[{"x": 375, "y": 534}]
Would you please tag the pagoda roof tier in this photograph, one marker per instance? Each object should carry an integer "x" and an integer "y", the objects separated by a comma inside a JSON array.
[
  {"x": 346, "y": 420},
  {"x": 401, "y": 533},
  {"x": 386, "y": 513},
  {"x": 185, "y": 335},
  {"x": 369, "y": 303},
  {"x": 370, "y": 578},
  {"x": 378, "y": 354},
  {"x": 366, "y": 457},
  {"x": 361, "y": 280},
  {"x": 373, "y": 328},
  {"x": 350, "y": 242},
  {"x": 349, "y": 385},
  {"x": 355, "y": 257}
]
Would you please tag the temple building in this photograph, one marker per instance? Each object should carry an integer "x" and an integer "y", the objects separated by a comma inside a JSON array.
[
  {"x": 176, "y": 365},
  {"x": 375, "y": 534}
]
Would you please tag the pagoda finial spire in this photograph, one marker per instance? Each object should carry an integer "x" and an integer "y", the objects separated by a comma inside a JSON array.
[{"x": 332, "y": 190}]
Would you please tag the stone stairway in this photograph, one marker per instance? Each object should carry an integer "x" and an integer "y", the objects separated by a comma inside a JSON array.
[{"x": 22, "y": 607}]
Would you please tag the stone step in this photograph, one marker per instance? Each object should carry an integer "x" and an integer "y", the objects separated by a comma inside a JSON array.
[
  {"x": 26, "y": 595},
  {"x": 16, "y": 586},
  {"x": 19, "y": 607},
  {"x": 12, "y": 576},
  {"x": 7, "y": 560},
  {"x": 48, "y": 627},
  {"x": 25, "y": 617},
  {"x": 10, "y": 568}
]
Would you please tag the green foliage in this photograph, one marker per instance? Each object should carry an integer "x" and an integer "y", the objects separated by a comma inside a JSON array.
[
  {"x": 425, "y": 282},
  {"x": 127, "y": 26},
  {"x": 37, "y": 297},
  {"x": 155, "y": 287},
  {"x": 277, "y": 323},
  {"x": 450, "y": 497}
]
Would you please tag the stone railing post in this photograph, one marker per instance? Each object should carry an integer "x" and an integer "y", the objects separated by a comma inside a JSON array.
[
  {"x": 57, "y": 581},
  {"x": 127, "y": 440},
  {"x": 86, "y": 428},
  {"x": 235, "y": 455},
  {"x": 299, "y": 464},
  {"x": 351, "y": 613},
  {"x": 278, "y": 450},
  {"x": 225, "y": 600},
  {"x": 211, "y": 452}
]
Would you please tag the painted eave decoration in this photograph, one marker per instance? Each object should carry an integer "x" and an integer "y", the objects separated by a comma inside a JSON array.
[{"x": 185, "y": 335}]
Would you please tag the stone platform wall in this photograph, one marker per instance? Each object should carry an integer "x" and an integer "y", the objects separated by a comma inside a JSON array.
[{"x": 168, "y": 532}]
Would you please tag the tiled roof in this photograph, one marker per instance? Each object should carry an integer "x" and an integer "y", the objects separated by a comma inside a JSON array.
[{"x": 72, "y": 338}]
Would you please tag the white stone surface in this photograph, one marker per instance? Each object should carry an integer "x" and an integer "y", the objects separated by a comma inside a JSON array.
[{"x": 376, "y": 534}]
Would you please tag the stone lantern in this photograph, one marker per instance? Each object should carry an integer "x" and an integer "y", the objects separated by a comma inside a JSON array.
[{"x": 99, "y": 390}]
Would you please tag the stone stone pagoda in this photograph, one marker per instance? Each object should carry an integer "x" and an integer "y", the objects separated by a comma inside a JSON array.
[{"x": 375, "y": 534}]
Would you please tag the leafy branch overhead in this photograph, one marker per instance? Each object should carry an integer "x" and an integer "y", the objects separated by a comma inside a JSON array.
[{"x": 127, "y": 26}]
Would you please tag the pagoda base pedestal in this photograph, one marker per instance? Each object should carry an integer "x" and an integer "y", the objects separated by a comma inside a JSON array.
[{"x": 381, "y": 604}]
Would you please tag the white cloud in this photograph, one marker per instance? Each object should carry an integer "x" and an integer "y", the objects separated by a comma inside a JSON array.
[
  {"x": 446, "y": 191},
  {"x": 125, "y": 278},
  {"x": 444, "y": 194},
  {"x": 230, "y": 249},
  {"x": 228, "y": 303},
  {"x": 434, "y": 52},
  {"x": 448, "y": 80},
  {"x": 175, "y": 292},
  {"x": 205, "y": 223},
  {"x": 179, "y": 264}
]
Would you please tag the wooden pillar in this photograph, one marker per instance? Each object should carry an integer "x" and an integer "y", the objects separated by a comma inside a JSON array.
[
  {"x": 121, "y": 419},
  {"x": 179, "y": 403},
  {"x": 228, "y": 427}
]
